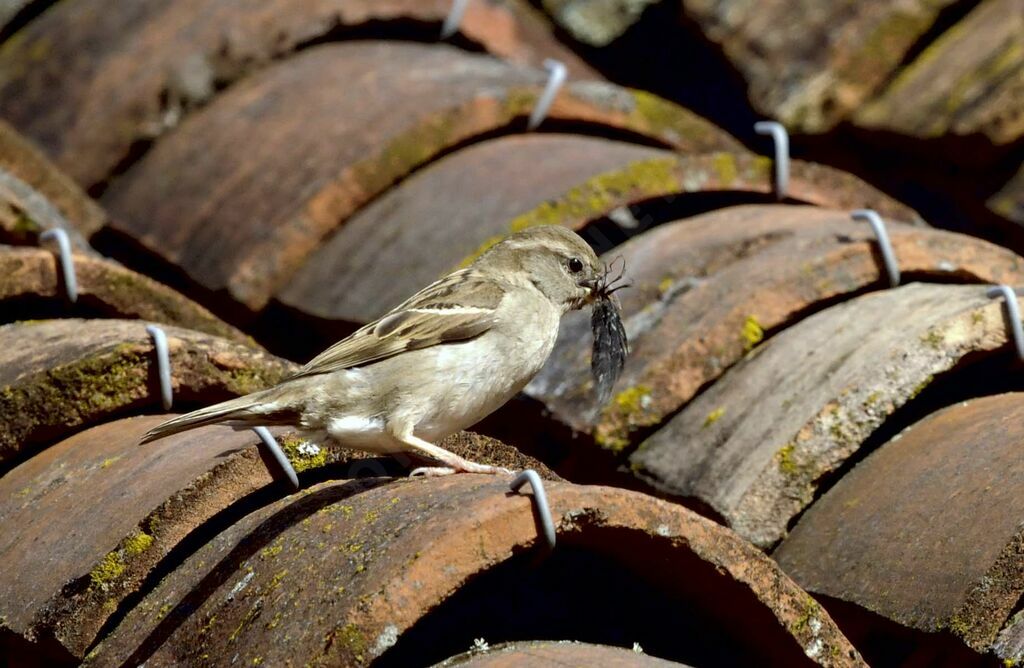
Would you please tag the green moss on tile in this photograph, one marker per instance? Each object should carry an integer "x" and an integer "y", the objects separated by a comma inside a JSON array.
[{"x": 301, "y": 458}]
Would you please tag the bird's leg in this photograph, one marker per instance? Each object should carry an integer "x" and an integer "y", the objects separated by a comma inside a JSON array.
[{"x": 452, "y": 462}]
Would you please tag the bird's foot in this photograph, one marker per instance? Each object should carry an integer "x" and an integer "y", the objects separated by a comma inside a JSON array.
[
  {"x": 431, "y": 471},
  {"x": 463, "y": 467}
]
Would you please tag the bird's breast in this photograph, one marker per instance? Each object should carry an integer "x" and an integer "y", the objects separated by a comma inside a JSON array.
[{"x": 474, "y": 378}]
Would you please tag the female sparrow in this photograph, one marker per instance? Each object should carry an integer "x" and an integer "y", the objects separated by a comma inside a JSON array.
[{"x": 438, "y": 363}]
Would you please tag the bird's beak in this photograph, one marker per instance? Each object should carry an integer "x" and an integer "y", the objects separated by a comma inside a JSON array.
[{"x": 591, "y": 285}]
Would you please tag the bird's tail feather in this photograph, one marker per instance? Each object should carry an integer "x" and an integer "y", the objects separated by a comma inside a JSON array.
[{"x": 252, "y": 409}]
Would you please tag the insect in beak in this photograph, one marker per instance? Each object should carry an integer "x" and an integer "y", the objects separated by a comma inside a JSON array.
[
  {"x": 611, "y": 346},
  {"x": 611, "y": 279}
]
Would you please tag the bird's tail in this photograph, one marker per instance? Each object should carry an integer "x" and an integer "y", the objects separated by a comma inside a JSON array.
[{"x": 251, "y": 410}]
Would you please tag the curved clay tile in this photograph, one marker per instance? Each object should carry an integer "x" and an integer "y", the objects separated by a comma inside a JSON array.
[
  {"x": 409, "y": 236},
  {"x": 246, "y": 188},
  {"x": 970, "y": 81},
  {"x": 549, "y": 654},
  {"x": 124, "y": 75},
  {"x": 756, "y": 444},
  {"x": 25, "y": 214},
  {"x": 87, "y": 523},
  {"x": 31, "y": 288},
  {"x": 37, "y": 195},
  {"x": 9, "y": 10},
  {"x": 411, "y": 572},
  {"x": 925, "y": 533},
  {"x": 707, "y": 288},
  {"x": 57, "y": 376},
  {"x": 87, "y": 519},
  {"x": 857, "y": 47}
]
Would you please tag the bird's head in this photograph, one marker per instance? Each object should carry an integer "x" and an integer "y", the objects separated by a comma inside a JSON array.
[{"x": 555, "y": 260}]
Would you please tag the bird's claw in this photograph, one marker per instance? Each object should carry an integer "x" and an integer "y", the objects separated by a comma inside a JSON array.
[
  {"x": 431, "y": 471},
  {"x": 469, "y": 467}
]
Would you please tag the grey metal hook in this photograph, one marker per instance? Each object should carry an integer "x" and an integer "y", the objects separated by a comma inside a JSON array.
[
  {"x": 556, "y": 77},
  {"x": 163, "y": 364},
  {"x": 540, "y": 500},
  {"x": 270, "y": 446},
  {"x": 454, "y": 18},
  {"x": 1012, "y": 314},
  {"x": 888, "y": 255},
  {"x": 67, "y": 263},
  {"x": 781, "y": 140}
]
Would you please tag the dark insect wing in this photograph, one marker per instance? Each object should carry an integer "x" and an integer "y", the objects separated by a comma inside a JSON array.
[{"x": 610, "y": 346}]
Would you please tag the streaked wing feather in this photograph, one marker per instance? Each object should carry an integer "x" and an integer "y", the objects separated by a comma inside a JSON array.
[{"x": 458, "y": 307}]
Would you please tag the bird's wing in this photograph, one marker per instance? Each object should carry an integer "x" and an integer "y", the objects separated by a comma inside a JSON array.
[{"x": 458, "y": 307}]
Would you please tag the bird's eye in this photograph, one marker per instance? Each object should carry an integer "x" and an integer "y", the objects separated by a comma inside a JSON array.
[{"x": 575, "y": 265}]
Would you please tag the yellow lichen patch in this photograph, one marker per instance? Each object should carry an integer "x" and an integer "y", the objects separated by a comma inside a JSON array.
[
  {"x": 276, "y": 580},
  {"x": 920, "y": 387},
  {"x": 114, "y": 563},
  {"x": 714, "y": 416},
  {"x": 670, "y": 121},
  {"x": 250, "y": 615},
  {"x": 520, "y": 101},
  {"x": 138, "y": 544},
  {"x": 665, "y": 285},
  {"x": 352, "y": 639},
  {"x": 641, "y": 179},
  {"x": 787, "y": 463},
  {"x": 932, "y": 339},
  {"x": 109, "y": 569},
  {"x": 406, "y": 151},
  {"x": 632, "y": 399},
  {"x": 208, "y": 626},
  {"x": 626, "y": 411},
  {"x": 725, "y": 168},
  {"x": 752, "y": 333},
  {"x": 109, "y": 461},
  {"x": 272, "y": 551}
]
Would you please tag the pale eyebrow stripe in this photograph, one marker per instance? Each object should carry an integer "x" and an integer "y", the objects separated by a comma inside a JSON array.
[{"x": 520, "y": 244}]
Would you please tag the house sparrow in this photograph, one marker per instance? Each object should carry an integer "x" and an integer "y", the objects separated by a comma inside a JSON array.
[{"x": 436, "y": 364}]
